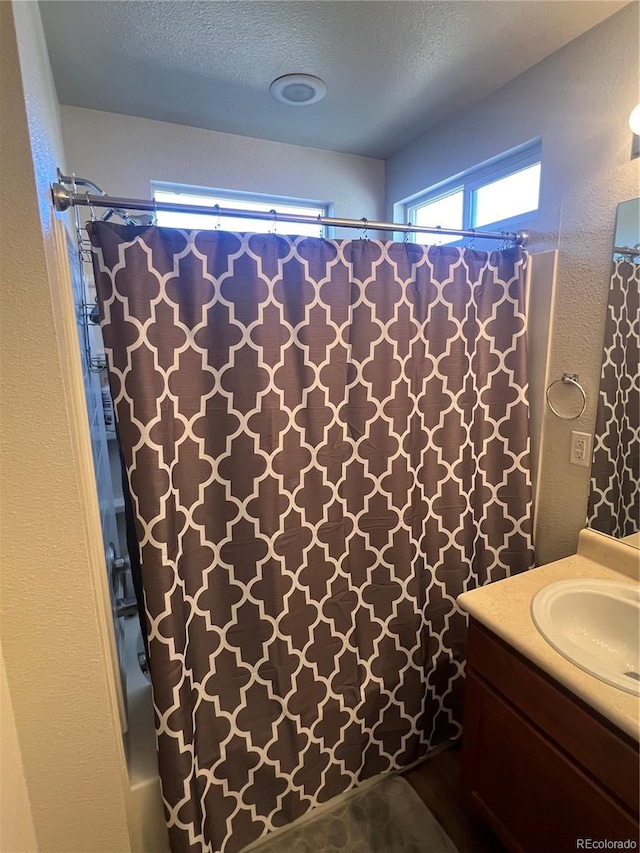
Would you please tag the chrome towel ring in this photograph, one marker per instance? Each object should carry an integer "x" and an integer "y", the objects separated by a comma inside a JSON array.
[{"x": 567, "y": 379}]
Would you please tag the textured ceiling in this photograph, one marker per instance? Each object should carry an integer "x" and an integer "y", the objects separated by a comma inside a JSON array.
[{"x": 393, "y": 69}]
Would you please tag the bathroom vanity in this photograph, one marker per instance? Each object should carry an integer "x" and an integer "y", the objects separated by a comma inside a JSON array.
[{"x": 550, "y": 753}]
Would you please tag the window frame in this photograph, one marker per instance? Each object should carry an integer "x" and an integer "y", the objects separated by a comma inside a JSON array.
[
  {"x": 219, "y": 196},
  {"x": 470, "y": 181}
]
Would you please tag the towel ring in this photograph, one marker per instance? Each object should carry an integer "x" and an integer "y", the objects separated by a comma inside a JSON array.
[{"x": 567, "y": 379}]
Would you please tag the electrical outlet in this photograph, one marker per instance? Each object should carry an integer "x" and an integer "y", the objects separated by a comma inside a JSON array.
[{"x": 580, "y": 453}]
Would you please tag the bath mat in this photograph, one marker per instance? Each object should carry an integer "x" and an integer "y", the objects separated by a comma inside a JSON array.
[{"x": 388, "y": 817}]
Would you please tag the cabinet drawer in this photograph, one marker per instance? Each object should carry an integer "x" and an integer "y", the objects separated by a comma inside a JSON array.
[
  {"x": 609, "y": 755},
  {"x": 532, "y": 794}
]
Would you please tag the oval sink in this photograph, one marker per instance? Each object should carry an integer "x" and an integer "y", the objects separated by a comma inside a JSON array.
[{"x": 596, "y": 625}]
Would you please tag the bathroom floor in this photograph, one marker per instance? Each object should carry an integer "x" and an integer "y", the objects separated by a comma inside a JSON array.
[{"x": 437, "y": 783}]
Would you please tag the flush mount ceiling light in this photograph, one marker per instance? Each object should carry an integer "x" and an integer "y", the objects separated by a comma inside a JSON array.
[{"x": 298, "y": 90}]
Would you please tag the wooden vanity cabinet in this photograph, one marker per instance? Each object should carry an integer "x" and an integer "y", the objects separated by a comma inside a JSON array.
[{"x": 542, "y": 768}]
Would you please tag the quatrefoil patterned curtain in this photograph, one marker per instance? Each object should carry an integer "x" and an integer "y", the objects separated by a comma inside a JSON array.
[
  {"x": 614, "y": 498},
  {"x": 326, "y": 442}
]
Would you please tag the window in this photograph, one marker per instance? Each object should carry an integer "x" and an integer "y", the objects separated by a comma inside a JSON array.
[
  {"x": 445, "y": 210},
  {"x": 498, "y": 196},
  {"x": 508, "y": 197},
  {"x": 241, "y": 201}
]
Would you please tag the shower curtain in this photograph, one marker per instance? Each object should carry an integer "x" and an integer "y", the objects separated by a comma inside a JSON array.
[
  {"x": 614, "y": 497},
  {"x": 326, "y": 442}
]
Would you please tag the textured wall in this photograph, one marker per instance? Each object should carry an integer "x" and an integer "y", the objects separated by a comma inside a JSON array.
[
  {"x": 52, "y": 625},
  {"x": 578, "y": 100},
  {"x": 16, "y": 823},
  {"x": 124, "y": 154}
]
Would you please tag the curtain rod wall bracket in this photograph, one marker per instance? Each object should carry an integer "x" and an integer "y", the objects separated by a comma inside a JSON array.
[{"x": 61, "y": 197}]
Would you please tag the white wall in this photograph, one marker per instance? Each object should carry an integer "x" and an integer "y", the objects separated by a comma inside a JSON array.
[
  {"x": 16, "y": 822},
  {"x": 53, "y": 622},
  {"x": 123, "y": 154},
  {"x": 578, "y": 100}
]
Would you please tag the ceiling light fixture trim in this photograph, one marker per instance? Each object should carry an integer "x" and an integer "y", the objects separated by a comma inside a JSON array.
[{"x": 298, "y": 90}]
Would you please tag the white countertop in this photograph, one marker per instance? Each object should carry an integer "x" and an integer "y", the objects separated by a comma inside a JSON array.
[{"x": 504, "y": 607}]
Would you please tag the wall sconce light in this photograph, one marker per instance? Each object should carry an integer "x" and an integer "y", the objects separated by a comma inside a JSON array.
[{"x": 634, "y": 124}]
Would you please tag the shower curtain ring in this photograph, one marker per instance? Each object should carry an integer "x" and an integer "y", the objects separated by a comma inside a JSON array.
[
  {"x": 92, "y": 209},
  {"x": 407, "y": 233},
  {"x": 365, "y": 226},
  {"x": 275, "y": 220},
  {"x": 320, "y": 235},
  {"x": 216, "y": 207}
]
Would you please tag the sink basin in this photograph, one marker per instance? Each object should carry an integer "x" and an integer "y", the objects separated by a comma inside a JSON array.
[{"x": 596, "y": 625}]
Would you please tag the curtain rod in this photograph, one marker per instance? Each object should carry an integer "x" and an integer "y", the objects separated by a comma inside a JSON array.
[
  {"x": 626, "y": 250},
  {"x": 64, "y": 198}
]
